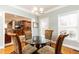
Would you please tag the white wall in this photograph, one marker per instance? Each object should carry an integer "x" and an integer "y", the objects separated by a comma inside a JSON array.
[
  {"x": 35, "y": 30},
  {"x": 53, "y": 23},
  {"x": 1, "y": 31},
  {"x": 43, "y": 24}
]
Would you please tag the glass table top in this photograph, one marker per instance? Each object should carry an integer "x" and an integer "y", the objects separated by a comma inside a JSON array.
[{"x": 37, "y": 39}]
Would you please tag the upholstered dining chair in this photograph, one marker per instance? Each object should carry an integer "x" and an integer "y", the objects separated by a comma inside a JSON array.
[
  {"x": 27, "y": 49},
  {"x": 50, "y": 50},
  {"x": 28, "y": 35},
  {"x": 48, "y": 36}
]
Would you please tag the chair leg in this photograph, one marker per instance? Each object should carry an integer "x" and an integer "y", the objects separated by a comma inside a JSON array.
[{"x": 50, "y": 43}]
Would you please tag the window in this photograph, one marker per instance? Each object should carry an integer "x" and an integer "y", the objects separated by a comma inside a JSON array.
[{"x": 69, "y": 23}]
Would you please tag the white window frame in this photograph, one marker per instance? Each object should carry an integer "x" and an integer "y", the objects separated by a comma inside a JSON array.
[{"x": 72, "y": 12}]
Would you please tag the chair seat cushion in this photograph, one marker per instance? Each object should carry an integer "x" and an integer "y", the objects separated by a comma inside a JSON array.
[
  {"x": 46, "y": 50},
  {"x": 28, "y": 49}
]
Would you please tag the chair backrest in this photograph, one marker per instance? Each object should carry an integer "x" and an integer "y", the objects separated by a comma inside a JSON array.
[
  {"x": 17, "y": 44},
  {"x": 48, "y": 34},
  {"x": 59, "y": 43},
  {"x": 28, "y": 35}
]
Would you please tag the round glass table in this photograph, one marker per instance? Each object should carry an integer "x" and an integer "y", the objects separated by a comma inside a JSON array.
[{"x": 37, "y": 41}]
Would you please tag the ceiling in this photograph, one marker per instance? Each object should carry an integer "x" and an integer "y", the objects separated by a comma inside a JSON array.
[{"x": 29, "y": 8}]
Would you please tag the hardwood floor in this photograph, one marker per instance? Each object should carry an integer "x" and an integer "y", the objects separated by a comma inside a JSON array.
[
  {"x": 9, "y": 49},
  {"x": 65, "y": 50}
]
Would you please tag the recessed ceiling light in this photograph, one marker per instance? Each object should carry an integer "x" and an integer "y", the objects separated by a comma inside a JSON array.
[
  {"x": 36, "y": 13},
  {"x": 32, "y": 11},
  {"x": 41, "y": 9},
  {"x": 35, "y": 8}
]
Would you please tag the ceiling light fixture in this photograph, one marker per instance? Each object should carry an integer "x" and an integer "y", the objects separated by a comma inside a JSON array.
[
  {"x": 41, "y": 9},
  {"x": 38, "y": 11},
  {"x": 35, "y": 8}
]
